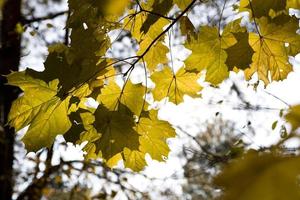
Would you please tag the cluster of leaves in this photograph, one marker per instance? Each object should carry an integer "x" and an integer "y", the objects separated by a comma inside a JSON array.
[{"x": 123, "y": 127}]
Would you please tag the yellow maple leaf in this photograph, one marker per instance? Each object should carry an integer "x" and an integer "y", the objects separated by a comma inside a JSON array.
[
  {"x": 208, "y": 53},
  {"x": 270, "y": 60},
  {"x": 40, "y": 108},
  {"x": 134, "y": 159},
  {"x": 157, "y": 53},
  {"x": 175, "y": 86},
  {"x": 117, "y": 133},
  {"x": 130, "y": 95},
  {"x": 153, "y": 135},
  {"x": 258, "y": 9}
]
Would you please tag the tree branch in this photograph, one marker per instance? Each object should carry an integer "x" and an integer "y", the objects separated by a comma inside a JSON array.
[
  {"x": 160, "y": 35},
  {"x": 39, "y": 19}
]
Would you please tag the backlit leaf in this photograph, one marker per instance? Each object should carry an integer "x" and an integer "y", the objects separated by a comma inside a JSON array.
[
  {"x": 208, "y": 54},
  {"x": 117, "y": 133},
  {"x": 134, "y": 160},
  {"x": 131, "y": 95},
  {"x": 175, "y": 86},
  {"x": 153, "y": 135},
  {"x": 258, "y": 9},
  {"x": 270, "y": 59}
]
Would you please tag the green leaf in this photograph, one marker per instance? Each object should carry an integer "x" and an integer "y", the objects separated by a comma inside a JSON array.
[{"x": 274, "y": 125}]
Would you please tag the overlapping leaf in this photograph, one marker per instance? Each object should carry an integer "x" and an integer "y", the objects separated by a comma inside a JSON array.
[
  {"x": 131, "y": 95},
  {"x": 208, "y": 53},
  {"x": 153, "y": 135},
  {"x": 117, "y": 133},
  {"x": 258, "y": 9},
  {"x": 270, "y": 59},
  {"x": 84, "y": 64},
  {"x": 182, "y": 4},
  {"x": 157, "y": 53},
  {"x": 158, "y": 8},
  {"x": 39, "y": 108}
]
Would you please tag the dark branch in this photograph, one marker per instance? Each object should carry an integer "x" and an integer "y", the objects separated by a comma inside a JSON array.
[
  {"x": 39, "y": 19},
  {"x": 160, "y": 35}
]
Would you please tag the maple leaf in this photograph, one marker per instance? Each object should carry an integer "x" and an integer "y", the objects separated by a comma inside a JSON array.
[
  {"x": 117, "y": 133},
  {"x": 131, "y": 95},
  {"x": 187, "y": 28},
  {"x": 176, "y": 85},
  {"x": 83, "y": 130},
  {"x": 208, "y": 53},
  {"x": 157, "y": 53},
  {"x": 182, "y": 4},
  {"x": 134, "y": 159},
  {"x": 54, "y": 101},
  {"x": 36, "y": 93},
  {"x": 153, "y": 135},
  {"x": 52, "y": 120},
  {"x": 257, "y": 9},
  {"x": 58, "y": 65},
  {"x": 240, "y": 54},
  {"x": 271, "y": 53},
  {"x": 160, "y": 7},
  {"x": 40, "y": 108}
]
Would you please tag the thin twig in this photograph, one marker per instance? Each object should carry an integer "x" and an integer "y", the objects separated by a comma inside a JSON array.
[{"x": 38, "y": 19}]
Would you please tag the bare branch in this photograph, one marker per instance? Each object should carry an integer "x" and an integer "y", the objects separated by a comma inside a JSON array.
[{"x": 39, "y": 19}]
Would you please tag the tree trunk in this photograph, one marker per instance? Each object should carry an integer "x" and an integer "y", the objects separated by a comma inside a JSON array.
[{"x": 9, "y": 61}]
